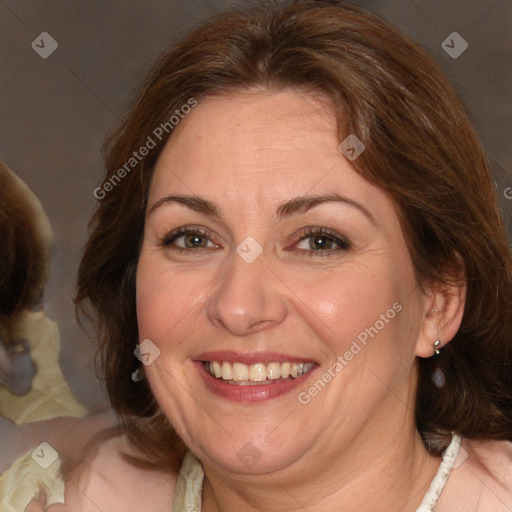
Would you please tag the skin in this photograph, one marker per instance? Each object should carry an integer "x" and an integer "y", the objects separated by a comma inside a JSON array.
[{"x": 355, "y": 442}]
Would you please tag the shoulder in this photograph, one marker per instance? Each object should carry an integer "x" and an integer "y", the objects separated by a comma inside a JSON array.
[
  {"x": 106, "y": 481},
  {"x": 481, "y": 479}
]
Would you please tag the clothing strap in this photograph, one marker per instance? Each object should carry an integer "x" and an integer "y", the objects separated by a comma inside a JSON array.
[
  {"x": 436, "y": 487},
  {"x": 189, "y": 485}
]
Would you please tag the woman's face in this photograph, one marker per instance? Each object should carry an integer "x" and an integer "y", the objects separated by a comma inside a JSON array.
[{"x": 263, "y": 245}]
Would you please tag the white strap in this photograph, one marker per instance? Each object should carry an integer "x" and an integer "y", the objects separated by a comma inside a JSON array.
[
  {"x": 188, "y": 490},
  {"x": 436, "y": 487}
]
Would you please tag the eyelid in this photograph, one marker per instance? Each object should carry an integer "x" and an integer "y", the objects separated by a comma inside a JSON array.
[
  {"x": 187, "y": 230},
  {"x": 343, "y": 243}
]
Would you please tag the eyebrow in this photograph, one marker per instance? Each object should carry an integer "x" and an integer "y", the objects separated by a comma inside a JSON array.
[
  {"x": 305, "y": 203},
  {"x": 286, "y": 209},
  {"x": 193, "y": 202}
]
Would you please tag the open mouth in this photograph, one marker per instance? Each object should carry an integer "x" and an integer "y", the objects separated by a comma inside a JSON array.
[{"x": 258, "y": 374}]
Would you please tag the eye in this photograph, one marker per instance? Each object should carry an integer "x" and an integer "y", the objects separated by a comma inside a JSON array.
[
  {"x": 321, "y": 240},
  {"x": 188, "y": 239}
]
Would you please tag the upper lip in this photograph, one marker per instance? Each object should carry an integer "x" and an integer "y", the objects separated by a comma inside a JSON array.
[{"x": 251, "y": 358}]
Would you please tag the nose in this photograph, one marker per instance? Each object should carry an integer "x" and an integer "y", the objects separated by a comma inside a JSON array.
[{"x": 248, "y": 299}]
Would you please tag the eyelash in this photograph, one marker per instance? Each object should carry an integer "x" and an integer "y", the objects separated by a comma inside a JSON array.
[
  {"x": 342, "y": 243},
  {"x": 178, "y": 233}
]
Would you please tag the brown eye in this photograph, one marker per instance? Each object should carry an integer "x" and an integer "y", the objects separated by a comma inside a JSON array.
[
  {"x": 320, "y": 242},
  {"x": 194, "y": 240}
]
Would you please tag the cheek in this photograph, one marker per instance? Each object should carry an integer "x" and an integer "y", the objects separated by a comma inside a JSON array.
[
  {"x": 358, "y": 304},
  {"x": 165, "y": 298}
]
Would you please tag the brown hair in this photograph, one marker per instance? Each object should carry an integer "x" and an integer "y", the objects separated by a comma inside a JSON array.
[
  {"x": 23, "y": 252},
  {"x": 421, "y": 149}
]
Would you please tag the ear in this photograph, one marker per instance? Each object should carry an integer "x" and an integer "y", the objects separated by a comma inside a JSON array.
[{"x": 443, "y": 312}]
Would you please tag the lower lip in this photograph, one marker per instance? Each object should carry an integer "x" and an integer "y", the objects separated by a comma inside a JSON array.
[{"x": 253, "y": 393}]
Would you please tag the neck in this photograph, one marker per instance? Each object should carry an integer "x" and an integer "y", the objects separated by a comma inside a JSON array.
[{"x": 386, "y": 475}]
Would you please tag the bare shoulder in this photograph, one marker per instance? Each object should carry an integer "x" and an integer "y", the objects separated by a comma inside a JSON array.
[
  {"x": 491, "y": 461},
  {"x": 106, "y": 481},
  {"x": 481, "y": 479}
]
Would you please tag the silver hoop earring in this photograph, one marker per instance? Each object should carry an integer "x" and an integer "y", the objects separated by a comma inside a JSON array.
[{"x": 437, "y": 344}]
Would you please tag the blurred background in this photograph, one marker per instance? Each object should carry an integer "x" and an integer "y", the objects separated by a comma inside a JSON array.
[{"x": 55, "y": 111}]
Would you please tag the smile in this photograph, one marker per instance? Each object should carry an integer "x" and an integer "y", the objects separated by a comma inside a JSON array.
[{"x": 256, "y": 374}]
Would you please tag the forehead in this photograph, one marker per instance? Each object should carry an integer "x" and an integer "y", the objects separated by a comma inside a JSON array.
[{"x": 254, "y": 147}]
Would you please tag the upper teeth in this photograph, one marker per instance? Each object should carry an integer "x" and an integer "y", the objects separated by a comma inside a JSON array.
[{"x": 257, "y": 372}]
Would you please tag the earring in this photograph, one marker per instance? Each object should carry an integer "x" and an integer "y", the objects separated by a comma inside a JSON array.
[
  {"x": 437, "y": 344},
  {"x": 138, "y": 374}
]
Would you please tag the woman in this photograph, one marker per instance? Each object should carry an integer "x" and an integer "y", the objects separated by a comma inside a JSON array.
[{"x": 298, "y": 238}]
